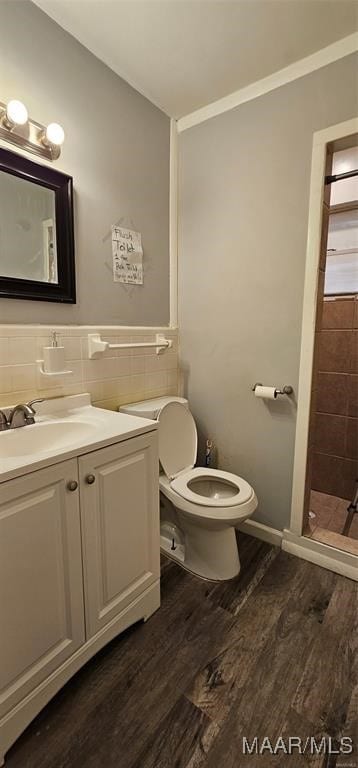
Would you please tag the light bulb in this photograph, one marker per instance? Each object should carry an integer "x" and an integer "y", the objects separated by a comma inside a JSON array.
[
  {"x": 16, "y": 112},
  {"x": 55, "y": 134}
]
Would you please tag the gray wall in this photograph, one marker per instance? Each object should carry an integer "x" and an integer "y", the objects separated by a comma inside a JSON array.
[
  {"x": 244, "y": 192},
  {"x": 116, "y": 149}
]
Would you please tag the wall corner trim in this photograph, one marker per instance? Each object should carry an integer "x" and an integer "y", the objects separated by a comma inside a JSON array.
[
  {"x": 173, "y": 225},
  {"x": 328, "y": 55}
]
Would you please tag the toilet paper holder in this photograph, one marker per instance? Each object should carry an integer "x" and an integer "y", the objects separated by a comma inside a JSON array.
[{"x": 286, "y": 390}]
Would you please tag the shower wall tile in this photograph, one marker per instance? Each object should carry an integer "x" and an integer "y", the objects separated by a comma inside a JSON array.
[
  {"x": 330, "y": 434},
  {"x": 355, "y": 316},
  {"x": 332, "y": 393},
  {"x": 352, "y": 439},
  {"x": 337, "y": 313},
  {"x": 333, "y": 442},
  {"x": 334, "y": 475},
  {"x": 354, "y": 352},
  {"x": 334, "y": 351},
  {"x": 352, "y": 407}
]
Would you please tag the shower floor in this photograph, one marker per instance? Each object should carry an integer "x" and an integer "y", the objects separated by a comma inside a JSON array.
[{"x": 328, "y": 515}]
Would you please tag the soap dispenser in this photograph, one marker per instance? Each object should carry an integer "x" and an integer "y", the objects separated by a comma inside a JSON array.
[{"x": 54, "y": 356}]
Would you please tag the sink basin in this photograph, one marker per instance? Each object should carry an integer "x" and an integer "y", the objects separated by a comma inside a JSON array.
[
  {"x": 65, "y": 427},
  {"x": 39, "y": 437}
]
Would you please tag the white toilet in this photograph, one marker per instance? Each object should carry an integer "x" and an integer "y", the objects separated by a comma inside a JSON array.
[{"x": 200, "y": 507}]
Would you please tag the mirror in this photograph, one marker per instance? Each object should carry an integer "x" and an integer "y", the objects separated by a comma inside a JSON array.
[{"x": 36, "y": 231}]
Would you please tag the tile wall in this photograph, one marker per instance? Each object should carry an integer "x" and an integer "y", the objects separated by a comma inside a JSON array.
[
  {"x": 119, "y": 377},
  {"x": 335, "y": 415}
]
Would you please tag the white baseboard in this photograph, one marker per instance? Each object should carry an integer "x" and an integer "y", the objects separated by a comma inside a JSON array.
[
  {"x": 261, "y": 531},
  {"x": 321, "y": 554}
]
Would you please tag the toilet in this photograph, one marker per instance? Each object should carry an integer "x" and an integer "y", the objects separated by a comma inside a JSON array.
[{"x": 200, "y": 506}]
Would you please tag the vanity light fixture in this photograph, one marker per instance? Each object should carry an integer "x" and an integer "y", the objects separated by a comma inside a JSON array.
[
  {"x": 55, "y": 134},
  {"x": 53, "y": 137},
  {"x": 19, "y": 129},
  {"x": 14, "y": 114}
]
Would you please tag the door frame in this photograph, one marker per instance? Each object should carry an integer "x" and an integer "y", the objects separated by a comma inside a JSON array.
[{"x": 293, "y": 540}]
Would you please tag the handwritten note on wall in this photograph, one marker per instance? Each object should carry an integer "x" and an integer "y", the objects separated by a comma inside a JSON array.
[{"x": 127, "y": 256}]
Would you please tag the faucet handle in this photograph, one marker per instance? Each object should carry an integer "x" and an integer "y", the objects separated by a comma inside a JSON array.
[{"x": 31, "y": 403}]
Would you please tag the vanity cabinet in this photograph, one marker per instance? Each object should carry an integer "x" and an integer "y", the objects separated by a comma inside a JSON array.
[
  {"x": 41, "y": 593},
  {"x": 119, "y": 513},
  {"x": 79, "y": 563}
]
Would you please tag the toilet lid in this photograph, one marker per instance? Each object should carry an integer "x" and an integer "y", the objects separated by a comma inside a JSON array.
[{"x": 178, "y": 440}]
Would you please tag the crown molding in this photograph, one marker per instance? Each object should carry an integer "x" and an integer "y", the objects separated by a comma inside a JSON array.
[{"x": 328, "y": 55}]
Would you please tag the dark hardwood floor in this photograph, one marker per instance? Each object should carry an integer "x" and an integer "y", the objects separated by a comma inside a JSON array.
[{"x": 272, "y": 652}]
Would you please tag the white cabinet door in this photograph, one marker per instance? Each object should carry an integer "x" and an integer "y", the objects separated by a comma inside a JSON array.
[
  {"x": 41, "y": 585},
  {"x": 120, "y": 526}
]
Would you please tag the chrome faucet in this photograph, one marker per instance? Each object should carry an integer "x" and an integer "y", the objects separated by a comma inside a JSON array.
[
  {"x": 4, "y": 421},
  {"x": 22, "y": 415}
]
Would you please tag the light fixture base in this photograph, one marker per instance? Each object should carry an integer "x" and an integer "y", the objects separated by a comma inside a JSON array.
[{"x": 27, "y": 137}]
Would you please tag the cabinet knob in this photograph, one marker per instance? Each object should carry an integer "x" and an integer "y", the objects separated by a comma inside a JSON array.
[
  {"x": 72, "y": 485},
  {"x": 90, "y": 479}
]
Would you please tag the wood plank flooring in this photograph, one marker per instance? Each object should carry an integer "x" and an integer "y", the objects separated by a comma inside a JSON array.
[{"x": 272, "y": 652}]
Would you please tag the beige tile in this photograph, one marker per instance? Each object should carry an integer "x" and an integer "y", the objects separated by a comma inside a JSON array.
[
  {"x": 138, "y": 383},
  {"x": 123, "y": 366},
  {"x": 323, "y": 501},
  {"x": 172, "y": 379},
  {"x": 353, "y": 531},
  {"x": 5, "y": 378},
  {"x": 138, "y": 364},
  {"x": 335, "y": 540},
  {"x": 22, "y": 350},
  {"x": 94, "y": 389},
  {"x": 154, "y": 363},
  {"x": 155, "y": 380},
  {"x": 171, "y": 361},
  {"x": 72, "y": 345},
  {"x": 41, "y": 342},
  {"x": 338, "y": 519},
  {"x": 4, "y": 351},
  {"x": 23, "y": 377},
  {"x": 77, "y": 376}
]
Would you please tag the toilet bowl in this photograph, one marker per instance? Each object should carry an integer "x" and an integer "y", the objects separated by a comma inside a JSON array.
[{"x": 200, "y": 507}]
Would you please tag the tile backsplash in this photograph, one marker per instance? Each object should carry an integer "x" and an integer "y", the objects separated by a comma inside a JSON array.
[{"x": 118, "y": 377}]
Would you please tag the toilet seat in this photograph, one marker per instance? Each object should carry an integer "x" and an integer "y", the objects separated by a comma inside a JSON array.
[
  {"x": 178, "y": 439},
  {"x": 201, "y": 486},
  {"x": 215, "y": 488}
]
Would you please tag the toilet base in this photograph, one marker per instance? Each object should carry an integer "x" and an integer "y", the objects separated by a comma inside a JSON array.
[
  {"x": 205, "y": 547},
  {"x": 211, "y": 554}
]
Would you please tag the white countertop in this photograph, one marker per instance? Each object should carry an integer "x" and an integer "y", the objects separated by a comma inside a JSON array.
[{"x": 65, "y": 427}]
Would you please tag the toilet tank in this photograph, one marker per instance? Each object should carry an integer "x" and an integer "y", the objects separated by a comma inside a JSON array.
[{"x": 149, "y": 409}]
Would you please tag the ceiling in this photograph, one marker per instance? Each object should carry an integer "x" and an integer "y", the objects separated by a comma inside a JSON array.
[{"x": 184, "y": 54}]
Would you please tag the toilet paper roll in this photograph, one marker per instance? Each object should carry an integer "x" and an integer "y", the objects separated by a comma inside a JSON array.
[
  {"x": 54, "y": 359},
  {"x": 268, "y": 393}
]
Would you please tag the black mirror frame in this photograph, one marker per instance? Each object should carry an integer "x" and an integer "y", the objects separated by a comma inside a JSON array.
[{"x": 62, "y": 185}]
